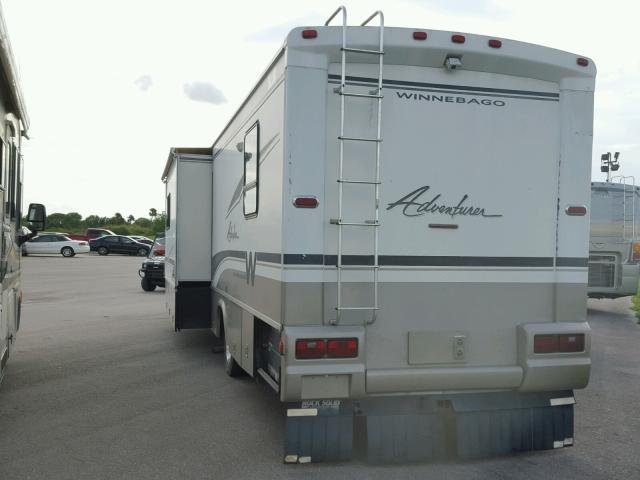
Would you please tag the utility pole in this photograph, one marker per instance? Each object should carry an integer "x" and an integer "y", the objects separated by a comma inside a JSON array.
[{"x": 608, "y": 164}]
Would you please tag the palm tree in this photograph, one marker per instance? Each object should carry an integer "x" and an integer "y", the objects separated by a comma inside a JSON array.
[
  {"x": 153, "y": 213},
  {"x": 131, "y": 219}
]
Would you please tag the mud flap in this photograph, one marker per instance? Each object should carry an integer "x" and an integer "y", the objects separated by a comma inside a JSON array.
[
  {"x": 498, "y": 424},
  {"x": 319, "y": 430},
  {"x": 405, "y": 430}
]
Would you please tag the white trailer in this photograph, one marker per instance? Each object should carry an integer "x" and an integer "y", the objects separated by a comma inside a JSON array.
[
  {"x": 400, "y": 232},
  {"x": 614, "y": 248},
  {"x": 187, "y": 178}
]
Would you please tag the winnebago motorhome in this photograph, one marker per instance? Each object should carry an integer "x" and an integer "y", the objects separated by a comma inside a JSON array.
[
  {"x": 614, "y": 249},
  {"x": 400, "y": 233}
]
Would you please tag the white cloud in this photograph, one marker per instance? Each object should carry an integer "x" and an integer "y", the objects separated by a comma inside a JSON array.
[
  {"x": 204, "y": 92},
  {"x": 144, "y": 82}
]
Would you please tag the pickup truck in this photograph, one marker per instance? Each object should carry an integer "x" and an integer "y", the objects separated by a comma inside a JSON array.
[{"x": 91, "y": 234}]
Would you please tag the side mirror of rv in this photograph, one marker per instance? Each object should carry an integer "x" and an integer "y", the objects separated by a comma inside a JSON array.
[{"x": 37, "y": 216}]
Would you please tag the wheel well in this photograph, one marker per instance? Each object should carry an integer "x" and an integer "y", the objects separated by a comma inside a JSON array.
[{"x": 220, "y": 319}]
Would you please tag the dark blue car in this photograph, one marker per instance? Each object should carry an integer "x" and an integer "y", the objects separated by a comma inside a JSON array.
[{"x": 119, "y": 244}]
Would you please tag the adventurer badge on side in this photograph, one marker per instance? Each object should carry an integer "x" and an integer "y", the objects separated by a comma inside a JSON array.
[{"x": 420, "y": 202}]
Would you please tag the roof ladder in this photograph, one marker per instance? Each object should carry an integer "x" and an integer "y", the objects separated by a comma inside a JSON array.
[{"x": 374, "y": 224}]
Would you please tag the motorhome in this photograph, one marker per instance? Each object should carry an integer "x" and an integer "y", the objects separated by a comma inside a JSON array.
[
  {"x": 13, "y": 129},
  {"x": 373, "y": 257},
  {"x": 614, "y": 245}
]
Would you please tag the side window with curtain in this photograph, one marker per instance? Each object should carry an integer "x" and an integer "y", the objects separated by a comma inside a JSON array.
[{"x": 251, "y": 171}]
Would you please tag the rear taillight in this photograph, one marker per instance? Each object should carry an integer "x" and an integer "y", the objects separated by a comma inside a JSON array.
[
  {"x": 316, "y": 348},
  {"x": 565, "y": 343},
  {"x": 342, "y": 348},
  {"x": 326, "y": 348},
  {"x": 635, "y": 252}
]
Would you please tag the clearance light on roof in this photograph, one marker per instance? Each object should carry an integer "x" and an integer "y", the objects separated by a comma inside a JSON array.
[
  {"x": 419, "y": 35},
  {"x": 576, "y": 210},
  {"x": 458, "y": 38},
  {"x": 583, "y": 62},
  {"x": 305, "y": 202},
  {"x": 309, "y": 33},
  {"x": 495, "y": 43},
  {"x": 567, "y": 343}
]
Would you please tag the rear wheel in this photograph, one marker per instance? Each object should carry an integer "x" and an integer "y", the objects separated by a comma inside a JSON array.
[
  {"x": 143, "y": 252},
  {"x": 103, "y": 250},
  {"x": 147, "y": 286},
  {"x": 67, "y": 252}
]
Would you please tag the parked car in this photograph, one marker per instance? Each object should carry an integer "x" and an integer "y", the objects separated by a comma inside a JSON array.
[
  {"x": 152, "y": 273},
  {"x": 92, "y": 233},
  {"x": 119, "y": 244},
  {"x": 158, "y": 247},
  {"x": 54, "y": 243},
  {"x": 142, "y": 239}
]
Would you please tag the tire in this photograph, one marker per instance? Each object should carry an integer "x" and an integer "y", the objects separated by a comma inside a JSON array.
[
  {"x": 147, "y": 286},
  {"x": 142, "y": 252},
  {"x": 103, "y": 251},
  {"x": 67, "y": 252},
  {"x": 230, "y": 365}
]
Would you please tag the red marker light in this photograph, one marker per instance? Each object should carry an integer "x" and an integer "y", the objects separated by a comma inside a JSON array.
[
  {"x": 495, "y": 43},
  {"x": 309, "y": 33},
  {"x": 419, "y": 35},
  {"x": 305, "y": 202},
  {"x": 458, "y": 38},
  {"x": 583, "y": 62},
  {"x": 576, "y": 210}
]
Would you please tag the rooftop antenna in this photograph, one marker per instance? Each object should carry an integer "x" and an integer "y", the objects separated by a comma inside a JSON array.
[{"x": 609, "y": 164}]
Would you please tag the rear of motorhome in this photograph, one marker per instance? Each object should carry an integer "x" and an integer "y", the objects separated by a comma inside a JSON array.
[
  {"x": 400, "y": 233},
  {"x": 614, "y": 247}
]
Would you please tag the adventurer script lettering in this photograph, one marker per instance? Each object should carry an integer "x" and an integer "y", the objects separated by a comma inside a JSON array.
[{"x": 421, "y": 201}]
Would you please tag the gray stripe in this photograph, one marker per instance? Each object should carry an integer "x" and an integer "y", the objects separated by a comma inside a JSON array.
[
  {"x": 402, "y": 260},
  {"x": 447, "y": 87}
]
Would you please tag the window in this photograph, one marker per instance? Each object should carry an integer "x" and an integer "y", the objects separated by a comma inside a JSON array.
[
  {"x": 251, "y": 171},
  {"x": 110, "y": 239},
  {"x": 126, "y": 240},
  {"x": 168, "y": 209},
  {"x": 1, "y": 162}
]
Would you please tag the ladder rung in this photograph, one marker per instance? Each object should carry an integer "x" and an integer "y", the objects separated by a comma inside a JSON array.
[
  {"x": 362, "y": 50},
  {"x": 363, "y": 182},
  {"x": 357, "y": 308},
  {"x": 360, "y": 139},
  {"x": 358, "y": 267},
  {"x": 366, "y": 223},
  {"x": 339, "y": 91}
]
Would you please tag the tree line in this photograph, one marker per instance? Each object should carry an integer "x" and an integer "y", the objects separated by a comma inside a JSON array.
[{"x": 73, "y": 222}]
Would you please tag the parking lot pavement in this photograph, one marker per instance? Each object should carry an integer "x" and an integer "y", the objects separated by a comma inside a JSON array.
[{"x": 99, "y": 386}]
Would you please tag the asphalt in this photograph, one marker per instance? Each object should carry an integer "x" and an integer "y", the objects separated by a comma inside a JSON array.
[{"x": 99, "y": 386}]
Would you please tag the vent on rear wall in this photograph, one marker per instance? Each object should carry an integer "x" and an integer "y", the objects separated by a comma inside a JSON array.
[{"x": 602, "y": 271}]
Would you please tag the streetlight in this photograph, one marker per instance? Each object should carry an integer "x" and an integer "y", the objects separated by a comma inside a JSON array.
[{"x": 609, "y": 165}]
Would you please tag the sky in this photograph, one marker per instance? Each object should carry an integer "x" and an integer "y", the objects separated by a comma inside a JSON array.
[{"x": 110, "y": 87}]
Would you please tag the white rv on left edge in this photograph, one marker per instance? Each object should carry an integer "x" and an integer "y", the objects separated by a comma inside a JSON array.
[{"x": 12, "y": 129}]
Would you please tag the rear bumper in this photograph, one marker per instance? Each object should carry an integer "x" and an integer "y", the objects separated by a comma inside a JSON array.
[{"x": 350, "y": 379}]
